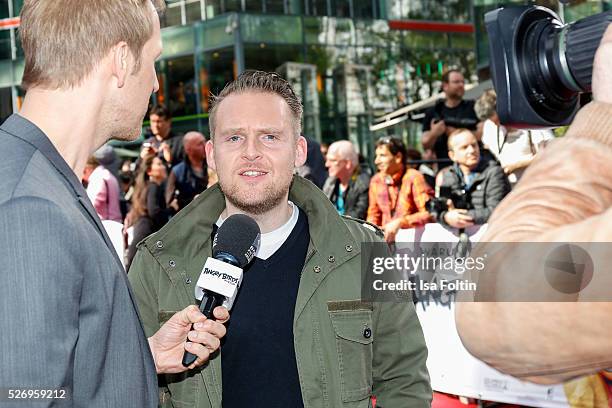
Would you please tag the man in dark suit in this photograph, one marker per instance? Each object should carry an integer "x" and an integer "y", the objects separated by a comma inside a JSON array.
[
  {"x": 347, "y": 185},
  {"x": 69, "y": 322}
]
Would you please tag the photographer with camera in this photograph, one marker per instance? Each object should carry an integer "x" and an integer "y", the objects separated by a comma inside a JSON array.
[
  {"x": 448, "y": 114},
  {"x": 471, "y": 188}
]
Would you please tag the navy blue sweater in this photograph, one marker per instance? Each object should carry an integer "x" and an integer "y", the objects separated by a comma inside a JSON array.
[{"x": 257, "y": 355}]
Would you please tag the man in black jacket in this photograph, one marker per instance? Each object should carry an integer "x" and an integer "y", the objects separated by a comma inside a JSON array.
[
  {"x": 190, "y": 177},
  {"x": 476, "y": 187},
  {"x": 347, "y": 186},
  {"x": 163, "y": 142}
]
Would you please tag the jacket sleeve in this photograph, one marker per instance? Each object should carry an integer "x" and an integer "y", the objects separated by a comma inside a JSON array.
[
  {"x": 155, "y": 206},
  {"x": 421, "y": 193},
  {"x": 42, "y": 277},
  {"x": 145, "y": 288},
  {"x": 496, "y": 189},
  {"x": 399, "y": 370},
  {"x": 564, "y": 196},
  {"x": 360, "y": 209},
  {"x": 374, "y": 212},
  {"x": 170, "y": 188}
]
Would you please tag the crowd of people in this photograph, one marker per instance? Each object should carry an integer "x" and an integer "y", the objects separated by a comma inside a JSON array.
[
  {"x": 301, "y": 334},
  {"x": 468, "y": 165}
]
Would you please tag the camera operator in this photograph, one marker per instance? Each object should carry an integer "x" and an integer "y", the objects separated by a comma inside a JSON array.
[
  {"x": 448, "y": 114},
  {"x": 471, "y": 188},
  {"x": 565, "y": 196}
]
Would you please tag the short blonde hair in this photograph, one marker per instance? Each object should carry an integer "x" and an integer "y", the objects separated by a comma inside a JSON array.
[
  {"x": 259, "y": 81},
  {"x": 486, "y": 105},
  {"x": 63, "y": 40}
]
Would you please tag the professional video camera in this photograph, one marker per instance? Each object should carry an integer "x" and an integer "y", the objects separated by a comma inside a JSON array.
[{"x": 539, "y": 65}]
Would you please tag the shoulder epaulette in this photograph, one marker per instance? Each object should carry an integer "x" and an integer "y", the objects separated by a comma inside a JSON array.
[{"x": 367, "y": 225}]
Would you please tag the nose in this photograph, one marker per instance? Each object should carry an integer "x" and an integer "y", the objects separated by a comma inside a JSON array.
[
  {"x": 156, "y": 84},
  {"x": 251, "y": 148}
]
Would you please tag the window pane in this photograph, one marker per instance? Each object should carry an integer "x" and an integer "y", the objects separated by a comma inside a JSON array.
[
  {"x": 194, "y": 11},
  {"x": 213, "y": 8},
  {"x": 363, "y": 9},
  {"x": 233, "y": 5},
  {"x": 182, "y": 89},
  {"x": 177, "y": 40},
  {"x": 4, "y": 10},
  {"x": 5, "y": 44},
  {"x": 216, "y": 70},
  {"x": 317, "y": 7},
  {"x": 214, "y": 34},
  {"x": 254, "y": 6},
  {"x": 296, "y": 6},
  {"x": 172, "y": 16},
  {"x": 275, "y": 6},
  {"x": 263, "y": 28},
  {"x": 340, "y": 8}
]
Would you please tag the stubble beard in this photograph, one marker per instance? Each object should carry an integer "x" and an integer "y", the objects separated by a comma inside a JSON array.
[{"x": 251, "y": 202}]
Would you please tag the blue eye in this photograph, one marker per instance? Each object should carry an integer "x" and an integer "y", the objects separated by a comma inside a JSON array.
[
  {"x": 234, "y": 138},
  {"x": 269, "y": 137}
]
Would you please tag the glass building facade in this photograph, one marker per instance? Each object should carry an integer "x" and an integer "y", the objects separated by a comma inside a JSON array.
[{"x": 350, "y": 60}]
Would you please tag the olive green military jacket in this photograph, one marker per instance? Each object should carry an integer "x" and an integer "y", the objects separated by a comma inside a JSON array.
[{"x": 346, "y": 350}]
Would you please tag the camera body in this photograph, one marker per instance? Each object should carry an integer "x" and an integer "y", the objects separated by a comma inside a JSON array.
[
  {"x": 460, "y": 198},
  {"x": 539, "y": 65}
]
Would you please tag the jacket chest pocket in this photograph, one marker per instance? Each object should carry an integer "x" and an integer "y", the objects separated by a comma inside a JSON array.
[{"x": 354, "y": 337}]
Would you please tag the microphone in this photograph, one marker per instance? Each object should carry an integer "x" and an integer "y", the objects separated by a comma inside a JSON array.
[{"x": 234, "y": 246}]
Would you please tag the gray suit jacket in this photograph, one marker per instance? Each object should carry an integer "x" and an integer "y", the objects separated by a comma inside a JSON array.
[{"x": 67, "y": 316}]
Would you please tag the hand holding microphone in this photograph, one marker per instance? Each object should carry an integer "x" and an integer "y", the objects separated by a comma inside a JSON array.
[{"x": 234, "y": 246}]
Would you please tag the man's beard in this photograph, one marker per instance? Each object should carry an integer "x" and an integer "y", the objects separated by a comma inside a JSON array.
[{"x": 271, "y": 197}]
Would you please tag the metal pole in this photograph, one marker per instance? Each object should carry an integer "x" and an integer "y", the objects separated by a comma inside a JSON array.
[{"x": 238, "y": 44}]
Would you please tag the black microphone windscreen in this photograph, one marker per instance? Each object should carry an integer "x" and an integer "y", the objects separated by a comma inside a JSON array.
[{"x": 238, "y": 236}]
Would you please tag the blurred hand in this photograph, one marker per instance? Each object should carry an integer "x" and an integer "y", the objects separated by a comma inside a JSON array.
[
  {"x": 174, "y": 205},
  {"x": 390, "y": 229},
  {"x": 602, "y": 77},
  {"x": 166, "y": 151},
  {"x": 438, "y": 127},
  {"x": 170, "y": 342},
  {"x": 457, "y": 218},
  {"x": 147, "y": 152}
]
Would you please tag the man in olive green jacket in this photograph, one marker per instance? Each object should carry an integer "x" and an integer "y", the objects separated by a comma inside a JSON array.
[{"x": 346, "y": 350}]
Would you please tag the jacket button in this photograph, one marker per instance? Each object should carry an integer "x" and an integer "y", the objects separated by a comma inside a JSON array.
[
  {"x": 172, "y": 263},
  {"x": 331, "y": 259},
  {"x": 367, "y": 333},
  {"x": 317, "y": 269},
  {"x": 349, "y": 248},
  {"x": 159, "y": 244},
  {"x": 187, "y": 281}
]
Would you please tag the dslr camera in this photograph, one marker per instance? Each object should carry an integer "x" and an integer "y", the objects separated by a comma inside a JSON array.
[
  {"x": 460, "y": 198},
  {"x": 539, "y": 65}
]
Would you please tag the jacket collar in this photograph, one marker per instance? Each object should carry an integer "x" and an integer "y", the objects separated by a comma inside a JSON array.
[
  {"x": 27, "y": 131},
  {"x": 187, "y": 236}
]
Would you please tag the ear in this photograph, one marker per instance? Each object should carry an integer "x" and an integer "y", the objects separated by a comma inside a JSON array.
[
  {"x": 451, "y": 155},
  {"x": 398, "y": 158},
  {"x": 210, "y": 155},
  {"x": 120, "y": 62},
  {"x": 301, "y": 148}
]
